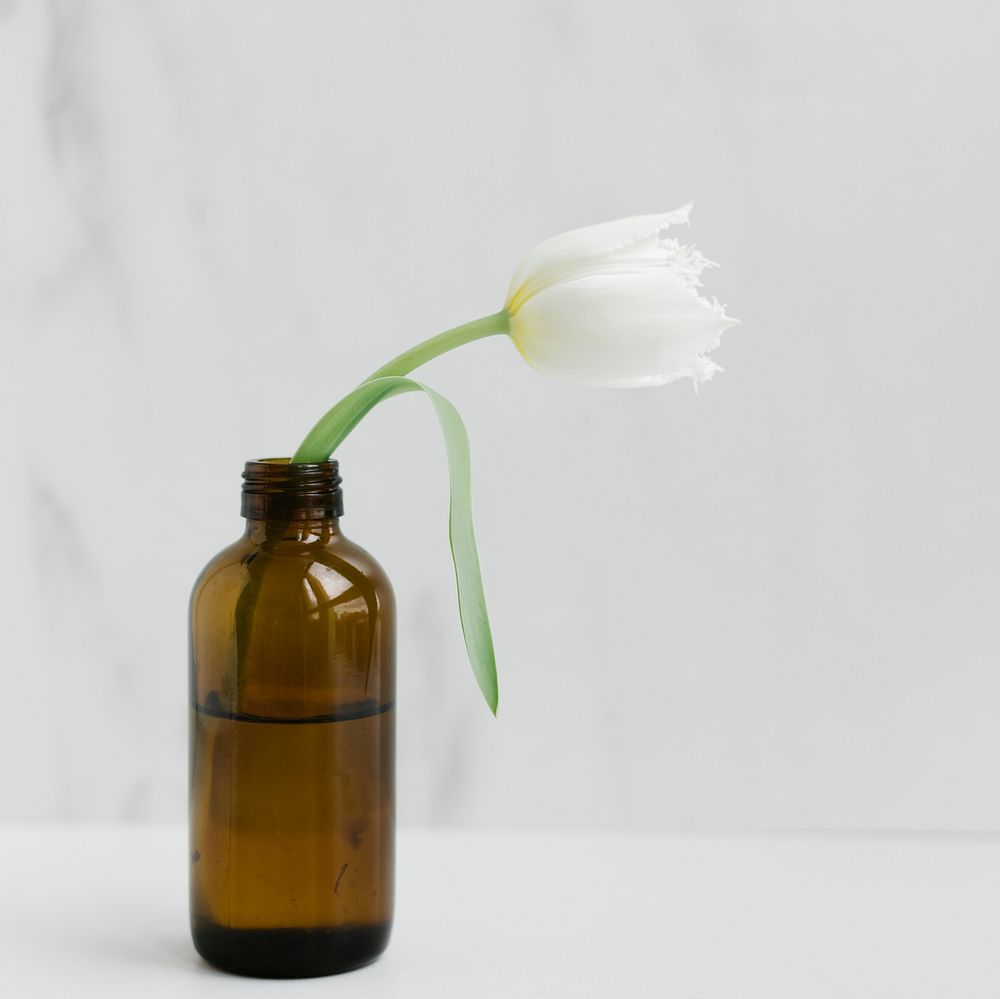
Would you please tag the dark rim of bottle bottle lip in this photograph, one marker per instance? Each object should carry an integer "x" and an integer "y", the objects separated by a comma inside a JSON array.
[{"x": 277, "y": 488}]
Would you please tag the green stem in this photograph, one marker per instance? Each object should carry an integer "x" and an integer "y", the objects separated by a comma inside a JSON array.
[
  {"x": 338, "y": 421},
  {"x": 499, "y": 322},
  {"x": 343, "y": 412}
]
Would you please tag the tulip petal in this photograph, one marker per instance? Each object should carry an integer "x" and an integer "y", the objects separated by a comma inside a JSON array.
[
  {"x": 622, "y": 328},
  {"x": 630, "y": 241}
]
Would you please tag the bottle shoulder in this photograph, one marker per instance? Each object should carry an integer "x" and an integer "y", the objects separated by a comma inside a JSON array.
[
  {"x": 348, "y": 553},
  {"x": 227, "y": 562},
  {"x": 323, "y": 563}
]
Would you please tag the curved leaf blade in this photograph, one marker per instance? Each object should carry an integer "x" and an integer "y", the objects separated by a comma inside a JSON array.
[{"x": 330, "y": 432}]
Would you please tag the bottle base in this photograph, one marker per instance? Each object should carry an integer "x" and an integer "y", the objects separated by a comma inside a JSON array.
[{"x": 290, "y": 952}]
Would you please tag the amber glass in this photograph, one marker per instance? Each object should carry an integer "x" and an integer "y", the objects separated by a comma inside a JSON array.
[{"x": 292, "y": 737}]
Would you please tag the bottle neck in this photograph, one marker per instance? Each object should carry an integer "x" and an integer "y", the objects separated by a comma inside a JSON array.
[
  {"x": 285, "y": 501},
  {"x": 305, "y": 532}
]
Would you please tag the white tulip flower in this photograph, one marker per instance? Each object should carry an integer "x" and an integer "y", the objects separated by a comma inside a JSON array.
[{"x": 616, "y": 304}]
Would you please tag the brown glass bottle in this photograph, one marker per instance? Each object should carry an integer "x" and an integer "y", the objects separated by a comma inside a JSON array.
[{"x": 292, "y": 737}]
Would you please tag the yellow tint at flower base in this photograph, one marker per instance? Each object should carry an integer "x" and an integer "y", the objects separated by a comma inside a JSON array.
[{"x": 615, "y": 304}]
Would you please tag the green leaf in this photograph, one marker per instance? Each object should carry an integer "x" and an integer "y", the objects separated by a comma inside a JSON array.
[{"x": 331, "y": 431}]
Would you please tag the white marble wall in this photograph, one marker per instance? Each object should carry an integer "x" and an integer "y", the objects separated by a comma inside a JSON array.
[{"x": 773, "y": 604}]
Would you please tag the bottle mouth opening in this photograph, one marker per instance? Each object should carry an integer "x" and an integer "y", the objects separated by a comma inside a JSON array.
[{"x": 278, "y": 488}]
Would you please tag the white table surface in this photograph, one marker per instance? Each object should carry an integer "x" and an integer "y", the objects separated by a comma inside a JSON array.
[{"x": 101, "y": 910}]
